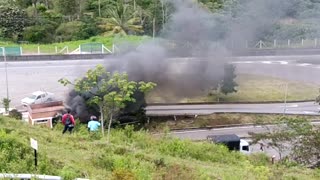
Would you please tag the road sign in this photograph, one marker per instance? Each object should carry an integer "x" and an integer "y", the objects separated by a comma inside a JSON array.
[{"x": 34, "y": 144}]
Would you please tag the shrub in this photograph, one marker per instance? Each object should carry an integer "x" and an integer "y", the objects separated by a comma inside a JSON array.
[
  {"x": 39, "y": 34},
  {"x": 69, "y": 31},
  {"x": 128, "y": 132},
  {"x": 68, "y": 173},
  {"x": 11, "y": 152},
  {"x": 15, "y": 114},
  {"x": 105, "y": 161},
  {"x": 6, "y": 104},
  {"x": 122, "y": 174},
  {"x": 159, "y": 162},
  {"x": 259, "y": 159},
  {"x": 175, "y": 171},
  {"x": 200, "y": 151},
  {"x": 174, "y": 147}
]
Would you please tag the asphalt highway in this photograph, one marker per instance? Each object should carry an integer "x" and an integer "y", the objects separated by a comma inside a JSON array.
[
  {"x": 26, "y": 77},
  {"x": 307, "y": 108},
  {"x": 242, "y": 132}
]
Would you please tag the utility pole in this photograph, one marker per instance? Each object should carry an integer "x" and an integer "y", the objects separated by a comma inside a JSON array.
[
  {"x": 6, "y": 70},
  {"x": 285, "y": 98}
]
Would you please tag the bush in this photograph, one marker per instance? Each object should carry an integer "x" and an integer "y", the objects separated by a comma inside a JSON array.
[
  {"x": 6, "y": 104},
  {"x": 17, "y": 157},
  {"x": 15, "y": 114},
  {"x": 176, "y": 171},
  {"x": 39, "y": 34},
  {"x": 259, "y": 159},
  {"x": 122, "y": 174},
  {"x": 14, "y": 155},
  {"x": 200, "y": 151},
  {"x": 69, "y": 31},
  {"x": 76, "y": 30},
  {"x": 68, "y": 173},
  {"x": 105, "y": 161}
]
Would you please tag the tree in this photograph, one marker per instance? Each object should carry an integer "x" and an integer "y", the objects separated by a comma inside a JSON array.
[
  {"x": 12, "y": 21},
  {"x": 67, "y": 8},
  {"x": 110, "y": 91},
  {"x": 228, "y": 83},
  {"x": 296, "y": 137},
  {"x": 6, "y": 104},
  {"x": 122, "y": 19}
]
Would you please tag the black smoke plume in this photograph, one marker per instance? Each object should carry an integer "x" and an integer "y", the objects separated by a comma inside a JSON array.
[{"x": 204, "y": 38}]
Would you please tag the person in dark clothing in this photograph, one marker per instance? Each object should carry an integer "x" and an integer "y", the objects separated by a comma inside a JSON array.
[{"x": 68, "y": 122}]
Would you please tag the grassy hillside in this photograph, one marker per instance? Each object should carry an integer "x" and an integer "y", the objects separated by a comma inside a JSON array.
[
  {"x": 72, "y": 45},
  {"x": 130, "y": 155}
]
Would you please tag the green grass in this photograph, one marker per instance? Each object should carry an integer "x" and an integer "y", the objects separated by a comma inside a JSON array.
[
  {"x": 252, "y": 88},
  {"x": 130, "y": 155},
  {"x": 263, "y": 88},
  {"x": 73, "y": 45}
]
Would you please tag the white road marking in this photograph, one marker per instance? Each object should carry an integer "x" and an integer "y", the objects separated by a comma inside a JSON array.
[
  {"x": 266, "y": 62},
  {"x": 289, "y": 106},
  {"x": 242, "y": 62},
  {"x": 304, "y": 64},
  {"x": 284, "y": 62}
]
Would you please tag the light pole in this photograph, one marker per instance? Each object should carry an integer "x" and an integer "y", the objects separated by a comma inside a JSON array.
[
  {"x": 285, "y": 98},
  {"x": 6, "y": 70}
]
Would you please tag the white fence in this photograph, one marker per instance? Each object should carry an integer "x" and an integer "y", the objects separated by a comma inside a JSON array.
[
  {"x": 275, "y": 44},
  {"x": 245, "y": 44}
]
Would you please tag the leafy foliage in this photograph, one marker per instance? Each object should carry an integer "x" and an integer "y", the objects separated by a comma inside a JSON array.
[
  {"x": 228, "y": 82},
  {"x": 295, "y": 137},
  {"x": 6, "y": 104},
  {"x": 122, "y": 19},
  {"x": 17, "y": 157},
  {"x": 67, "y": 7},
  {"x": 110, "y": 91},
  {"x": 12, "y": 21},
  {"x": 70, "y": 30}
]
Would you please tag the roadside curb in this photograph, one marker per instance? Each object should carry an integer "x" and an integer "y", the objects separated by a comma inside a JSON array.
[{"x": 221, "y": 103}]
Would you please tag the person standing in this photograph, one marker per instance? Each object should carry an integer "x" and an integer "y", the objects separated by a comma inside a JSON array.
[
  {"x": 93, "y": 124},
  {"x": 68, "y": 122}
]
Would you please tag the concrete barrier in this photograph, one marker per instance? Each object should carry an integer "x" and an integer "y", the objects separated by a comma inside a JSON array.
[{"x": 54, "y": 57}]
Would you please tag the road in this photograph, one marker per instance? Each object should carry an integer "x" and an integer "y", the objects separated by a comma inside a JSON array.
[
  {"x": 308, "y": 108},
  {"x": 26, "y": 77},
  {"x": 242, "y": 131}
]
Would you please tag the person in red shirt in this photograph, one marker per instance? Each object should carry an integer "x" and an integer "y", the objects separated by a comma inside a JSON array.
[{"x": 68, "y": 122}]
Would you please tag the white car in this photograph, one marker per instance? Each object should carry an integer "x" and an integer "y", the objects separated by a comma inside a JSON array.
[{"x": 38, "y": 97}]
